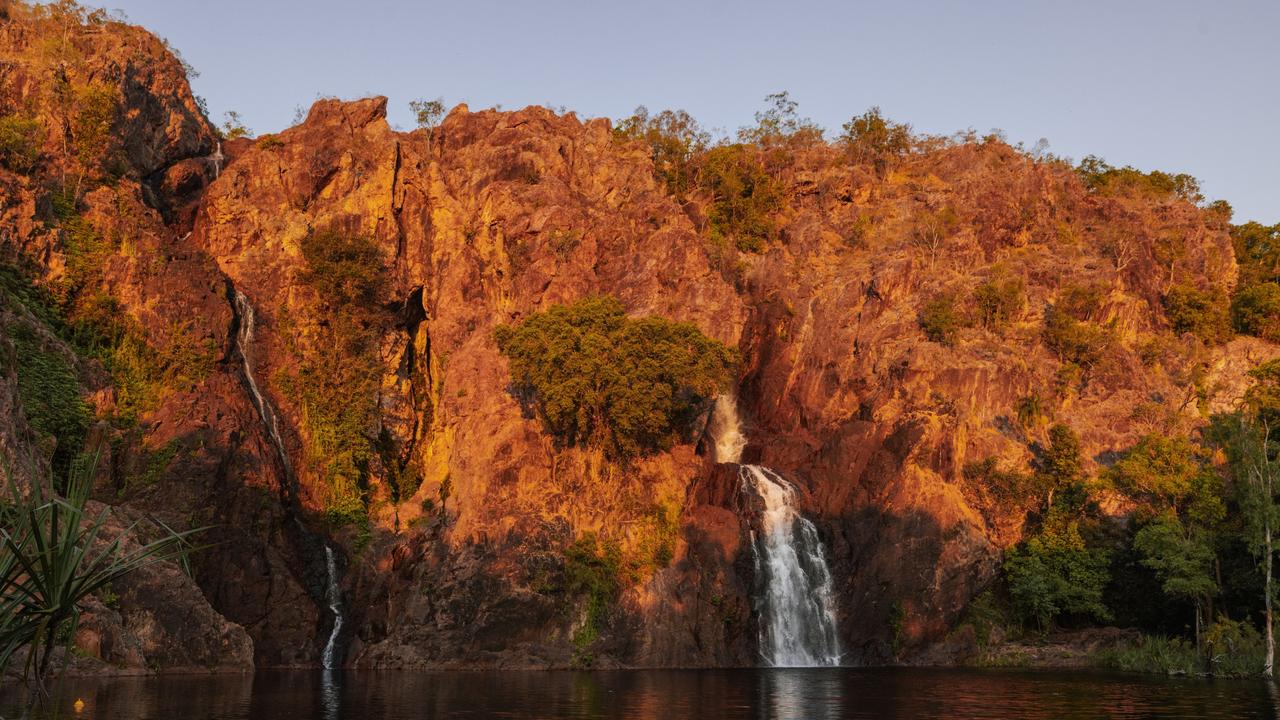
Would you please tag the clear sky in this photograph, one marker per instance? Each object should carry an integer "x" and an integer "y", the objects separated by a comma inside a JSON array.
[{"x": 1160, "y": 84}]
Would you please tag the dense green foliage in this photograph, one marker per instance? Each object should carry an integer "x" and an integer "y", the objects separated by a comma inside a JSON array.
[
  {"x": 1106, "y": 179},
  {"x": 940, "y": 320},
  {"x": 1255, "y": 308},
  {"x": 1204, "y": 314},
  {"x": 744, "y": 196},
  {"x": 1187, "y": 560},
  {"x": 596, "y": 377},
  {"x": 780, "y": 123},
  {"x": 338, "y": 371}
]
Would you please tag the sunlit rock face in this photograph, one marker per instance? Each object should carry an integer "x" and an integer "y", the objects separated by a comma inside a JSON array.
[{"x": 492, "y": 216}]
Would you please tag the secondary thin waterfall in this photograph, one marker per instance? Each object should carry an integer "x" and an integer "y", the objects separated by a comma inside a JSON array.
[
  {"x": 334, "y": 596},
  {"x": 793, "y": 599},
  {"x": 244, "y": 341}
]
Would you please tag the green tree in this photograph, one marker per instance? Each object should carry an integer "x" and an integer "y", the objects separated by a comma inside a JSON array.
[
  {"x": 940, "y": 320},
  {"x": 780, "y": 123},
  {"x": 597, "y": 377},
  {"x": 427, "y": 113},
  {"x": 1053, "y": 573},
  {"x": 1257, "y": 248},
  {"x": 1061, "y": 467},
  {"x": 20, "y": 142},
  {"x": 1183, "y": 560},
  {"x": 1205, "y": 314},
  {"x": 999, "y": 300},
  {"x": 1159, "y": 470},
  {"x": 1255, "y": 310},
  {"x": 675, "y": 142},
  {"x": 871, "y": 138},
  {"x": 1254, "y": 461},
  {"x": 233, "y": 126},
  {"x": 744, "y": 196}
]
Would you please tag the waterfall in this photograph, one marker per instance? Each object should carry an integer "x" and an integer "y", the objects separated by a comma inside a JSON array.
[
  {"x": 334, "y": 596},
  {"x": 244, "y": 343},
  {"x": 797, "y": 620},
  {"x": 217, "y": 159},
  {"x": 725, "y": 430}
]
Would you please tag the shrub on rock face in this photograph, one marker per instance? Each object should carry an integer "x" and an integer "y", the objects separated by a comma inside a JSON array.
[
  {"x": 1256, "y": 311},
  {"x": 597, "y": 377},
  {"x": 744, "y": 196},
  {"x": 939, "y": 320},
  {"x": 998, "y": 301},
  {"x": 1201, "y": 313},
  {"x": 20, "y": 140}
]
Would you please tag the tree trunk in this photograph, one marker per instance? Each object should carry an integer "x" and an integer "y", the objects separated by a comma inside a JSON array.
[{"x": 1271, "y": 643}]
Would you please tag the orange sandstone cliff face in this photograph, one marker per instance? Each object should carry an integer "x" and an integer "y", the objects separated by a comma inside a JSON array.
[{"x": 495, "y": 215}]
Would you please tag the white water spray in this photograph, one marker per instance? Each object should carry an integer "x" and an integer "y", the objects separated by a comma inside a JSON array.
[
  {"x": 797, "y": 618},
  {"x": 725, "y": 428},
  {"x": 334, "y": 596}
]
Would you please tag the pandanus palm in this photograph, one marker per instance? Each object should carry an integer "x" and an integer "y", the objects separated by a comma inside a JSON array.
[{"x": 55, "y": 553}]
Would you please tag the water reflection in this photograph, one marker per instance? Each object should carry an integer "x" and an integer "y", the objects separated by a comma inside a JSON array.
[
  {"x": 784, "y": 694},
  {"x": 331, "y": 693}
]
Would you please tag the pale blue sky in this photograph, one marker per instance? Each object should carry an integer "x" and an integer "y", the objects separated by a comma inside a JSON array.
[{"x": 1169, "y": 84}]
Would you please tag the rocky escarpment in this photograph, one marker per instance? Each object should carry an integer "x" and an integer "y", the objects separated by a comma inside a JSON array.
[{"x": 456, "y": 520}]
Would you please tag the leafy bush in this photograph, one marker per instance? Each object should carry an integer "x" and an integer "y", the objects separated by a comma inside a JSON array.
[
  {"x": 1054, "y": 573},
  {"x": 1106, "y": 179},
  {"x": 1257, "y": 249},
  {"x": 594, "y": 376},
  {"x": 744, "y": 196},
  {"x": 1008, "y": 488},
  {"x": 871, "y": 138},
  {"x": 591, "y": 569},
  {"x": 999, "y": 300},
  {"x": 20, "y": 142},
  {"x": 1256, "y": 311},
  {"x": 675, "y": 140},
  {"x": 1203, "y": 314},
  {"x": 939, "y": 320},
  {"x": 1075, "y": 342}
]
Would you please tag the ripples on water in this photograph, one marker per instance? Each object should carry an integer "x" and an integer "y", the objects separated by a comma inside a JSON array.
[{"x": 809, "y": 694}]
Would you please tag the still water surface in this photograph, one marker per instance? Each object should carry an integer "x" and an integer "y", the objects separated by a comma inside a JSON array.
[{"x": 815, "y": 694}]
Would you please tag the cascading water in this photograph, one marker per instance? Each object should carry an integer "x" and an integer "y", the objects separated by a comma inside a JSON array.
[
  {"x": 334, "y": 595},
  {"x": 725, "y": 428},
  {"x": 793, "y": 599},
  {"x": 797, "y": 618},
  {"x": 244, "y": 345}
]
